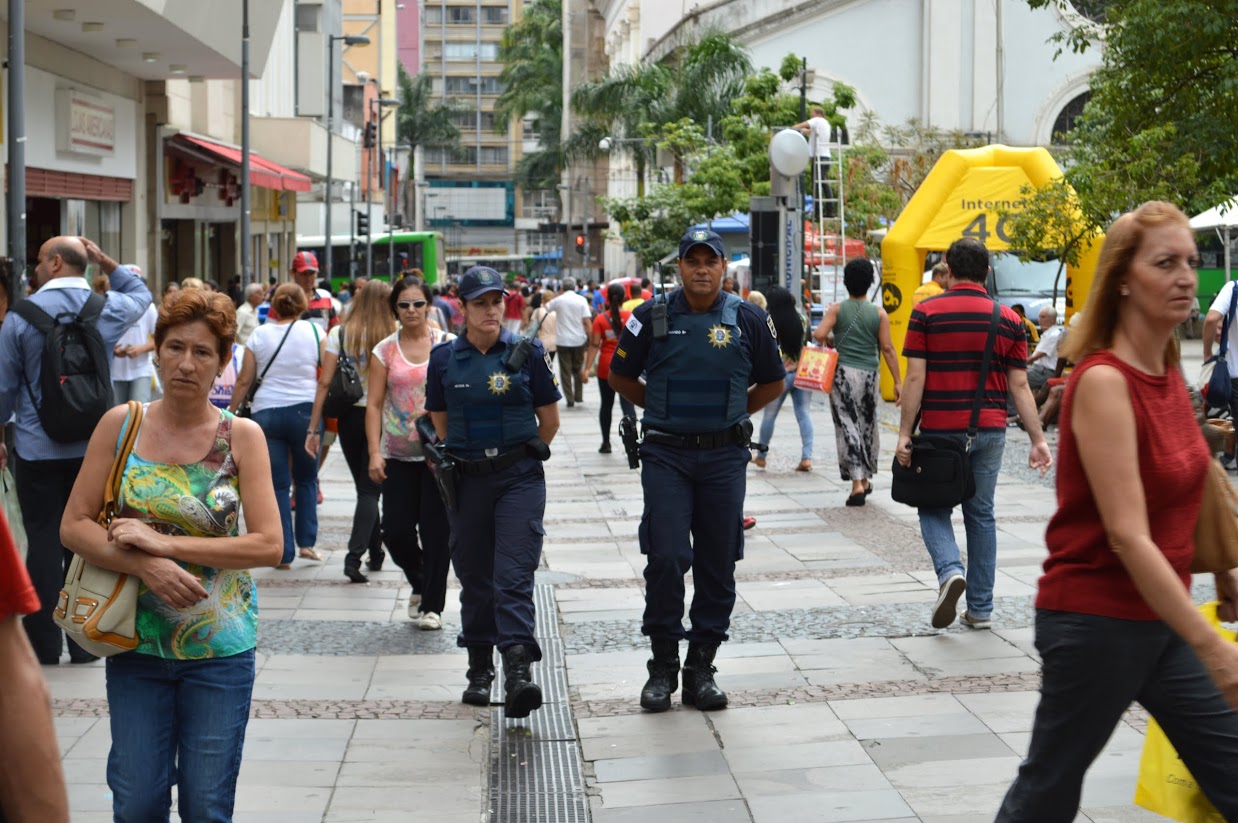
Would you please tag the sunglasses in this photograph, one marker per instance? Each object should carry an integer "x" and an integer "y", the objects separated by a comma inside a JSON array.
[{"x": 411, "y": 304}]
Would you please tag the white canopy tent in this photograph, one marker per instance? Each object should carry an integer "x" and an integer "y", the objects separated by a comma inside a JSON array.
[{"x": 1223, "y": 218}]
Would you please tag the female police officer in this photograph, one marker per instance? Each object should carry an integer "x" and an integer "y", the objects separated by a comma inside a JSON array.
[
  {"x": 710, "y": 360},
  {"x": 494, "y": 404}
]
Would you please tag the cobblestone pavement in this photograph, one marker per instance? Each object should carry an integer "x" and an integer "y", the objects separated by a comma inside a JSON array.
[{"x": 845, "y": 704}]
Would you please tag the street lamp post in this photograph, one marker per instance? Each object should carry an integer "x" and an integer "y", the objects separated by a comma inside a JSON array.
[
  {"x": 376, "y": 106},
  {"x": 348, "y": 40}
]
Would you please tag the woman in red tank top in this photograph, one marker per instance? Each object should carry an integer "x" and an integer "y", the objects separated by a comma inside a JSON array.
[{"x": 1115, "y": 622}]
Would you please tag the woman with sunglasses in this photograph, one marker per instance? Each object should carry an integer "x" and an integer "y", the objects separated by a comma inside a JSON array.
[
  {"x": 367, "y": 322},
  {"x": 411, "y": 504}
]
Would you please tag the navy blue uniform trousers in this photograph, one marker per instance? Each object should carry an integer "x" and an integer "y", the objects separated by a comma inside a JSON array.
[
  {"x": 693, "y": 520},
  {"x": 496, "y": 545}
]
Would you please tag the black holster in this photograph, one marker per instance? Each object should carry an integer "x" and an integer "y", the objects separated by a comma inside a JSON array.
[{"x": 631, "y": 440}]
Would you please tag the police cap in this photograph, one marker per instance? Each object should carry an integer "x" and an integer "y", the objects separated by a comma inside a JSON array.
[
  {"x": 701, "y": 237},
  {"x": 478, "y": 280}
]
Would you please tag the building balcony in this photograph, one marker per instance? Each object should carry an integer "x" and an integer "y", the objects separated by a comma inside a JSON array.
[
  {"x": 301, "y": 143},
  {"x": 166, "y": 38}
]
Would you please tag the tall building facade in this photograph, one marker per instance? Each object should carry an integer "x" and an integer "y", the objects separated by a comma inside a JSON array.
[{"x": 468, "y": 192}]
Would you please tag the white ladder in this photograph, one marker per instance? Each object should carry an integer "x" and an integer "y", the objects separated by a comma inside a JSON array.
[{"x": 828, "y": 202}]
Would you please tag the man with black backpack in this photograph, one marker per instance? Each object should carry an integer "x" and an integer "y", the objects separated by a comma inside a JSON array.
[{"x": 55, "y": 350}]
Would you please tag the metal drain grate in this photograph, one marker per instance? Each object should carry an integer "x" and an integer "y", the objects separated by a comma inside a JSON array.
[{"x": 535, "y": 763}]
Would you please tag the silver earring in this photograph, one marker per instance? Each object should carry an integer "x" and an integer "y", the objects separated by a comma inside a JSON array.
[{"x": 1125, "y": 292}]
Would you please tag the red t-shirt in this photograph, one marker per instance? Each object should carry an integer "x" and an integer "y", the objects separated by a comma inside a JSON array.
[
  {"x": 950, "y": 332},
  {"x": 610, "y": 339},
  {"x": 1082, "y": 573},
  {"x": 514, "y": 308},
  {"x": 17, "y": 595}
]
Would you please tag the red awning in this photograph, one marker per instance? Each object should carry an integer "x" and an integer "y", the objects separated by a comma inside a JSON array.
[{"x": 262, "y": 172}]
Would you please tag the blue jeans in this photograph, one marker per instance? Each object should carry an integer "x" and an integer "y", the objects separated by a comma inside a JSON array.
[
  {"x": 800, "y": 399},
  {"x": 285, "y": 430},
  {"x": 176, "y": 722},
  {"x": 979, "y": 522}
]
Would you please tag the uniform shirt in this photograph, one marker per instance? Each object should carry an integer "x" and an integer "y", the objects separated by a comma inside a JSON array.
[
  {"x": 949, "y": 333},
  {"x": 17, "y": 595},
  {"x": 572, "y": 310},
  {"x": 536, "y": 368},
  {"x": 756, "y": 335},
  {"x": 21, "y": 353}
]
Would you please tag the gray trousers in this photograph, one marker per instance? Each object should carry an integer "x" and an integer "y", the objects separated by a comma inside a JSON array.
[{"x": 571, "y": 361}]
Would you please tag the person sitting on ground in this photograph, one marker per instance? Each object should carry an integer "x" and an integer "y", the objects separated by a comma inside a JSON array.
[
  {"x": 1042, "y": 364},
  {"x": 1033, "y": 333}
]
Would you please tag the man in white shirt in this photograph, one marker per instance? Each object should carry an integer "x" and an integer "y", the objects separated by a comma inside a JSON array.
[
  {"x": 573, "y": 316},
  {"x": 1213, "y": 325},
  {"x": 817, "y": 130},
  {"x": 247, "y": 312},
  {"x": 1043, "y": 362}
]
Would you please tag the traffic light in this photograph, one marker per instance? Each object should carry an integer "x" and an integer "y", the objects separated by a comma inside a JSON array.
[
  {"x": 363, "y": 224},
  {"x": 370, "y": 139},
  {"x": 580, "y": 245}
]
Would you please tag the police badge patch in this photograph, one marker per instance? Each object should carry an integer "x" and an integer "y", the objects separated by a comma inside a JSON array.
[
  {"x": 719, "y": 337},
  {"x": 550, "y": 368},
  {"x": 769, "y": 321},
  {"x": 499, "y": 383}
]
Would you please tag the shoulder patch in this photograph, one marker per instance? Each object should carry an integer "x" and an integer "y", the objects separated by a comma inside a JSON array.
[
  {"x": 769, "y": 321},
  {"x": 633, "y": 325}
]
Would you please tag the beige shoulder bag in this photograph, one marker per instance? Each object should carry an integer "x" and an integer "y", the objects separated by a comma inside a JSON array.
[{"x": 98, "y": 607}]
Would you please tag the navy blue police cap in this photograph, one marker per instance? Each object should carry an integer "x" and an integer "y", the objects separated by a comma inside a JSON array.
[
  {"x": 478, "y": 280},
  {"x": 701, "y": 237}
]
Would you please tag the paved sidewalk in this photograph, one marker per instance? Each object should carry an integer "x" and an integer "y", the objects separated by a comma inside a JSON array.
[{"x": 846, "y": 705}]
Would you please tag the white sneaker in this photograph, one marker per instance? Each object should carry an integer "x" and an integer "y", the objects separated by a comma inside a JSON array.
[
  {"x": 975, "y": 622},
  {"x": 430, "y": 622},
  {"x": 946, "y": 610},
  {"x": 414, "y": 606}
]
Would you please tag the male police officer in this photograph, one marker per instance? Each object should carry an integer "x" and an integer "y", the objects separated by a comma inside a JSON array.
[{"x": 710, "y": 360}]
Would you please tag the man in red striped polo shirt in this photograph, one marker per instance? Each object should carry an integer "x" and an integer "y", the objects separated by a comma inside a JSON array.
[{"x": 945, "y": 342}]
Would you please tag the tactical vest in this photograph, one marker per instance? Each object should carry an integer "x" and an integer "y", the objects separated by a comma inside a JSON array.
[
  {"x": 488, "y": 407},
  {"x": 697, "y": 378}
]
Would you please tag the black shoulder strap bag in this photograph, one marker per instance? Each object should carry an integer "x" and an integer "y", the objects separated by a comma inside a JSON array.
[{"x": 940, "y": 475}]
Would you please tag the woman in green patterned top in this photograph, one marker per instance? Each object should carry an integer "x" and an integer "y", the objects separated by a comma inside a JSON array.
[
  {"x": 179, "y": 703},
  {"x": 861, "y": 334}
]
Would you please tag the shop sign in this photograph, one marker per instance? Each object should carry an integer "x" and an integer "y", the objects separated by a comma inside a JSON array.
[{"x": 84, "y": 123}]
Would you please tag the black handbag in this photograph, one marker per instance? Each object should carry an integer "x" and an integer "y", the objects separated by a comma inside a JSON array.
[
  {"x": 940, "y": 474},
  {"x": 346, "y": 387}
]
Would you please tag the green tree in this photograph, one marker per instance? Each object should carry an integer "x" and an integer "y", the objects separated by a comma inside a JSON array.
[
  {"x": 1052, "y": 224},
  {"x": 532, "y": 55},
  {"x": 421, "y": 121},
  {"x": 1164, "y": 100}
]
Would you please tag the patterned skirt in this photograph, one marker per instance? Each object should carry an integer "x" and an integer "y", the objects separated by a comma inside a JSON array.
[{"x": 853, "y": 405}]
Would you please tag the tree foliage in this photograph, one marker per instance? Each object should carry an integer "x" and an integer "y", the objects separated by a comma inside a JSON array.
[
  {"x": 1051, "y": 225},
  {"x": 1164, "y": 100},
  {"x": 421, "y": 121},
  {"x": 532, "y": 55}
]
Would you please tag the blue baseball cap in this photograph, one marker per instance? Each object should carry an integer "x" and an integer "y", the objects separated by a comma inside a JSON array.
[
  {"x": 702, "y": 237},
  {"x": 478, "y": 280}
]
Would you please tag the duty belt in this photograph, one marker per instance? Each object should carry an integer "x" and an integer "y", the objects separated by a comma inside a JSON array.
[
  {"x": 709, "y": 440},
  {"x": 490, "y": 465}
]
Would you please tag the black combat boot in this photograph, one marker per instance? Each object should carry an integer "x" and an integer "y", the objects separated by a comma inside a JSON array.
[
  {"x": 523, "y": 695},
  {"x": 663, "y": 674},
  {"x": 699, "y": 688},
  {"x": 480, "y": 675}
]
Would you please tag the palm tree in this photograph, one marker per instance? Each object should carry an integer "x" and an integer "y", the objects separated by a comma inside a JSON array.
[
  {"x": 621, "y": 105},
  {"x": 421, "y": 121}
]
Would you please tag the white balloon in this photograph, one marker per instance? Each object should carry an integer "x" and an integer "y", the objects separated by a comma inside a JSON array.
[{"x": 788, "y": 152}]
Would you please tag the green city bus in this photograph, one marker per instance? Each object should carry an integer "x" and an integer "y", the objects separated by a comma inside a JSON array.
[{"x": 414, "y": 250}]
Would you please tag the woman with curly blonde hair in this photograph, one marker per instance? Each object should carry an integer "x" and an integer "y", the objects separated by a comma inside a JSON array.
[{"x": 367, "y": 323}]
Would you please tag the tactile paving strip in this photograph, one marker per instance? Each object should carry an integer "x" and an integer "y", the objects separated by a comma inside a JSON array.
[{"x": 535, "y": 764}]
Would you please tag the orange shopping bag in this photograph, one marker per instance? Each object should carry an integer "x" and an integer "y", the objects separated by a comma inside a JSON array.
[{"x": 816, "y": 370}]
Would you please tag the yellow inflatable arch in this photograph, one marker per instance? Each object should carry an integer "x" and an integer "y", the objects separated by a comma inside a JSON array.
[{"x": 960, "y": 198}]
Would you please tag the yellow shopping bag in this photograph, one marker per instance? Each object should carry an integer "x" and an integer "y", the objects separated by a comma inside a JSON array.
[{"x": 1165, "y": 785}]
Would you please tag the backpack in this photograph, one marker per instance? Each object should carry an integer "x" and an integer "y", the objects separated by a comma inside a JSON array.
[{"x": 76, "y": 375}]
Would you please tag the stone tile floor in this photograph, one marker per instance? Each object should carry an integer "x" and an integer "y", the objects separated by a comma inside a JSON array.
[{"x": 846, "y": 705}]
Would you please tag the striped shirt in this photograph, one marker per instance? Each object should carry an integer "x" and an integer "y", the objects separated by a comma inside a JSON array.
[{"x": 949, "y": 332}]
